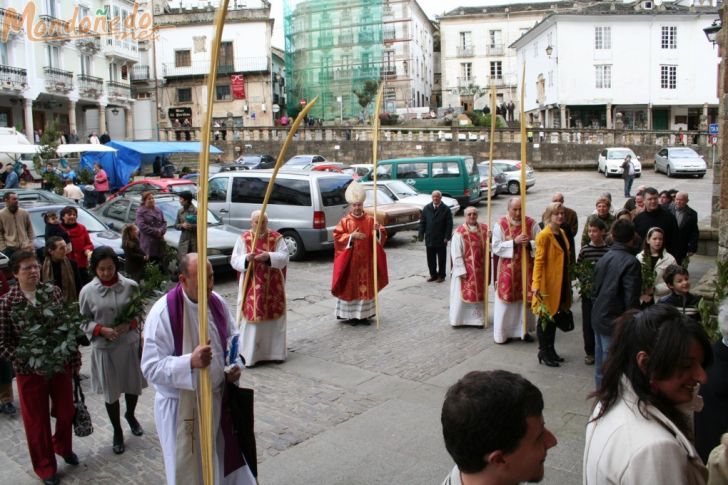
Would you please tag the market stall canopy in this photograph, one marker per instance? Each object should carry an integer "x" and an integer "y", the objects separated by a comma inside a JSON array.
[
  {"x": 19, "y": 149},
  {"x": 82, "y": 148}
]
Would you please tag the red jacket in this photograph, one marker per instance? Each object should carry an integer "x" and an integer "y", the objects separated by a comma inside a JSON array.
[{"x": 81, "y": 241}]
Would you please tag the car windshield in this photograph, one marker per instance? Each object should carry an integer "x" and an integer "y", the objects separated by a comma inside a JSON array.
[
  {"x": 683, "y": 153},
  {"x": 170, "y": 207},
  {"x": 298, "y": 162},
  {"x": 402, "y": 189},
  {"x": 382, "y": 198},
  {"x": 619, "y": 154},
  {"x": 86, "y": 219},
  {"x": 177, "y": 188}
]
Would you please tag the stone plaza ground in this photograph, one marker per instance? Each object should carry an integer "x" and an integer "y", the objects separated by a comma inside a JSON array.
[{"x": 361, "y": 405}]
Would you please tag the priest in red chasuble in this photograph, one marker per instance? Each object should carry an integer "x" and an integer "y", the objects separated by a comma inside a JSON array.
[
  {"x": 467, "y": 282},
  {"x": 263, "y": 308},
  {"x": 353, "y": 278}
]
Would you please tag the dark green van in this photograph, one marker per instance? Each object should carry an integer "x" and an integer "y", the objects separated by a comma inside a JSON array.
[{"x": 455, "y": 176}]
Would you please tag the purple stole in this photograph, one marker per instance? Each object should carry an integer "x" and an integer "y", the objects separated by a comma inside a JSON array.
[{"x": 233, "y": 457}]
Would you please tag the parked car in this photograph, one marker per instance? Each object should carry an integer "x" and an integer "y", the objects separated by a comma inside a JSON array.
[
  {"x": 610, "y": 160},
  {"x": 303, "y": 162},
  {"x": 360, "y": 170},
  {"x": 163, "y": 185},
  {"x": 38, "y": 195},
  {"x": 329, "y": 167},
  {"x": 400, "y": 192},
  {"x": 220, "y": 237},
  {"x": 305, "y": 206},
  {"x": 100, "y": 233},
  {"x": 680, "y": 161},
  {"x": 500, "y": 179},
  {"x": 512, "y": 171},
  {"x": 252, "y": 162},
  {"x": 395, "y": 217}
]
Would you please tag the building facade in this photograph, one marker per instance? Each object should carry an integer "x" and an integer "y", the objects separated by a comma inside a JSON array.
[
  {"x": 476, "y": 52},
  {"x": 74, "y": 75},
  {"x": 243, "y": 91},
  {"x": 333, "y": 47},
  {"x": 632, "y": 66}
]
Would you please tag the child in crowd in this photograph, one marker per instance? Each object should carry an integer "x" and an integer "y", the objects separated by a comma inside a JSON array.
[
  {"x": 53, "y": 228},
  {"x": 677, "y": 279},
  {"x": 591, "y": 252},
  {"x": 134, "y": 256}
]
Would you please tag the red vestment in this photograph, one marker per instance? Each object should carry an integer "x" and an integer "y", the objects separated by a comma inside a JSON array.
[
  {"x": 353, "y": 277},
  {"x": 265, "y": 298},
  {"x": 510, "y": 281},
  {"x": 472, "y": 286}
]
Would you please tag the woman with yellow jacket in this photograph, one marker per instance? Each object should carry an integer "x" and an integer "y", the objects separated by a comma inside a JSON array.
[{"x": 550, "y": 283}]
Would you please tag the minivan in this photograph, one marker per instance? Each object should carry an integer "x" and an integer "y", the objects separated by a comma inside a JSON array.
[
  {"x": 304, "y": 207},
  {"x": 454, "y": 176}
]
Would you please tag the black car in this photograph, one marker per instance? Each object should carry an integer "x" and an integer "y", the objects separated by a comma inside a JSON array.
[{"x": 252, "y": 162}]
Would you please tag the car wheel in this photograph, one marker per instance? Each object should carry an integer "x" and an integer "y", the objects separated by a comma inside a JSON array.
[
  {"x": 606, "y": 172},
  {"x": 701, "y": 175},
  {"x": 296, "y": 251},
  {"x": 657, "y": 170},
  {"x": 598, "y": 169},
  {"x": 668, "y": 172},
  {"x": 513, "y": 187},
  {"x": 391, "y": 234}
]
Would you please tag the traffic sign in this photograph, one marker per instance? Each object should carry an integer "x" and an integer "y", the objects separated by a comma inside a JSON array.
[
  {"x": 275, "y": 108},
  {"x": 714, "y": 140},
  {"x": 713, "y": 129}
]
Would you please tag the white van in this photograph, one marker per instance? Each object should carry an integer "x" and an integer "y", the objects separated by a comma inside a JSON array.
[{"x": 304, "y": 207}]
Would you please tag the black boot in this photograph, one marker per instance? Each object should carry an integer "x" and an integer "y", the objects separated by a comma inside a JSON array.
[
  {"x": 113, "y": 412},
  {"x": 131, "y": 402},
  {"x": 555, "y": 356},
  {"x": 545, "y": 357}
]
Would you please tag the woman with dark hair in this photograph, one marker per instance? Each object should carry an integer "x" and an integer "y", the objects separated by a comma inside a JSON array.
[
  {"x": 551, "y": 284},
  {"x": 152, "y": 228},
  {"x": 60, "y": 270},
  {"x": 134, "y": 257},
  {"x": 640, "y": 430},
  {"x": 81, "y": 245},
  {"x": 654, "y": 254},
  {"x": 115, "y": 354}
]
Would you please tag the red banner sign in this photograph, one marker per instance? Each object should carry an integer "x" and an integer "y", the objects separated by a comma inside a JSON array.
[{"x": 238, "y": 84}]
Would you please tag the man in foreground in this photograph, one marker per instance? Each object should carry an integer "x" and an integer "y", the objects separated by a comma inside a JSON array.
[
  {"x": 171, "y": 360},
  {"x": 494, "y": 430}
]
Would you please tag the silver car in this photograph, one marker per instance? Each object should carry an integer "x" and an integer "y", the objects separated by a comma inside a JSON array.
[
  {"x": 680, "y": 161},
  {"x": 221, "y": 238},
  {"x": 512, "y": 170},
  {"x": 401, "y": 192}
]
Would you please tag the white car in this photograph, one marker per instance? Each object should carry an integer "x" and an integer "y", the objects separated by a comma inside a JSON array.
[
  {"x": 401, "y": 192},
  {"x": 609, "y": 161},
  {"x": 680, "y": 161}
]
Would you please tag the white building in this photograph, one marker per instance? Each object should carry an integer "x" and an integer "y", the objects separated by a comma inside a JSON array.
[
  {"x": 76, "y": 75},
  {"x": 243, "y": 94},
  {"x": 636, "y": 65},
  {"x": 475, "y": 51}
]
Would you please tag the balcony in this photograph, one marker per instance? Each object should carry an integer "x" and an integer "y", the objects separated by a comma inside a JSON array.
[
  {"x": 90, "y": 86},
  {"x": 140, "y": 72},
  {"x": 56, "y": 31},
  {"x": 464, "y": 82},
  {"x": 325, "y": 41},
  {"x": 118, "y": 90},
  {"x": 389, "y": 71},
  {"x": 202, "y": 67},
  {"x": 495, "y": 50},
  {"x": 123, "y": 50},
  {"x": 496, "y": 81},
  {"x": 58, "y": 80},
  {"x": 88, "y": 42},
  {"x": 13, "y": 78},
  {"x": 390, "y": 34},
  {"x": 346, "y": 39},
  {"x": 466, "y": 51},
  {"x": 14, "y": 20}
]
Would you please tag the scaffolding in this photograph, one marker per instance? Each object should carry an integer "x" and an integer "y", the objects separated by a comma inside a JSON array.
[{"x": 332, "y": 48}]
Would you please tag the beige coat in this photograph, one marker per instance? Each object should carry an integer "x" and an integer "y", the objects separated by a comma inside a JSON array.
[
  {"x": 16, "y": 231},
  {"x": 624, "y": 447},
  {"x": 661, "y": 265}
]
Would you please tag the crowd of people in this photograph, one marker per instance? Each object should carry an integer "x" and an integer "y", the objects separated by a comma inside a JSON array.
[{"x": 640, "y": 325}]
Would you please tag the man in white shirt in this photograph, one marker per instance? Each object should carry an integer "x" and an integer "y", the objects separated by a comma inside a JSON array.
[{"x": 72, "y": 191}]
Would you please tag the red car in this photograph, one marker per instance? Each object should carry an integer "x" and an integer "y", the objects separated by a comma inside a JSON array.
[{"x": 161, "y": 185}]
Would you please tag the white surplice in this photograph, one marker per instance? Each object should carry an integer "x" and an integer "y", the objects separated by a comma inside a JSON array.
[
  {"x": 172, "y": 375},
  {"x": 462, "y": 313},
  {"x": 264, "y": 340},
  {"x": 508, "y": 317}
]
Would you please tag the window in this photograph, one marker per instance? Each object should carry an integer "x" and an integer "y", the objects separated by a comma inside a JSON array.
[
  {"x": 495, "y": 38},
  {"x": 445, "y": 170},
  {"x": 184, "y": 95},
  {"x": 496, "y": 70},
  {"x": 182, "y": 58},
  {"x": 226, "y": 60},
  {"x": 466, "y": 39},
  {"x": 54, "y": 56},
  {"x": 603, "y": 74},
  {"x": 333, "y": 190},
  {"x": 466, "y": 70},
  {"x": 118, "y": 210},
  {"x": 602, "y": 38},
  {"x": 412, "y": 170},
  {"x": 668, "y": 77},
  {"x": 251, "y": 190},
  {"x": 669, "y": 37},
  {"x": 217, "y": 190},
  {"x": 86, "y": 65},
  {"x": 384, "y": 172},
  {"x": 222, "y": 93}
]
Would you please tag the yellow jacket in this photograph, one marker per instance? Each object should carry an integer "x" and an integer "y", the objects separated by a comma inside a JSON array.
[{"x": 548, "y": 270}]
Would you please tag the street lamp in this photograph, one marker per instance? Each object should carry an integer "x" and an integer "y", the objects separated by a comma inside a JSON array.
[
  {"x": 711, "y": 32},
  {"x": 549, "y": 51}
]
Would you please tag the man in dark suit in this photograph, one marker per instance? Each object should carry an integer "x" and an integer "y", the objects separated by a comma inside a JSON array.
[
  {"x": 655, "y": 216},
  {"x": 436, "y": 229},
  {"x": 686, "y": 242}
]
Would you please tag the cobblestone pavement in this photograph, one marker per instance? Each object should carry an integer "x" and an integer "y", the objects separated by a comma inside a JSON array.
[{"x": 361, "y": 405}]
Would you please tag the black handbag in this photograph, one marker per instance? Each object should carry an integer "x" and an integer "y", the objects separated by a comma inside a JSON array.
[
  {"x": 81, "y": 419},
  {"x": 240, "y": 401},
  {"x": 564, "y": 320}
]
